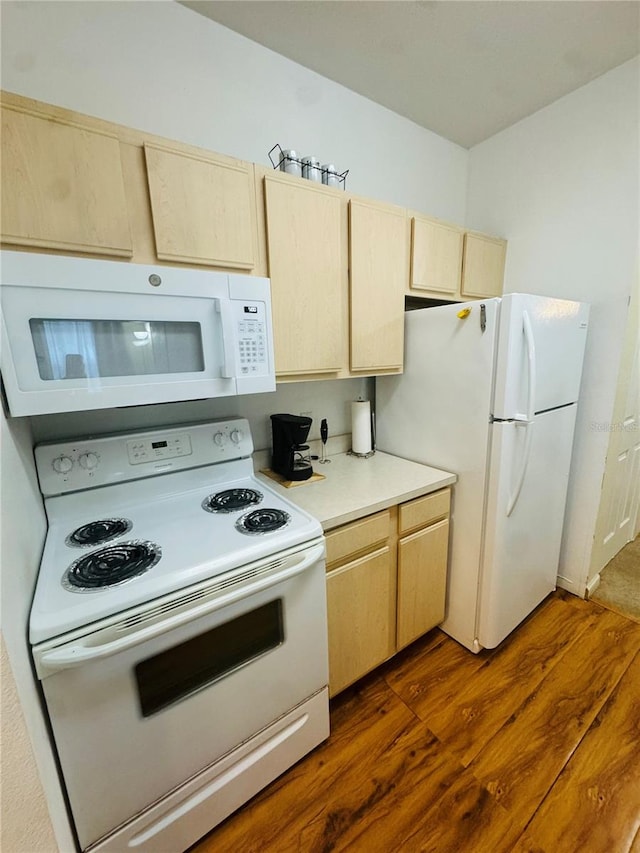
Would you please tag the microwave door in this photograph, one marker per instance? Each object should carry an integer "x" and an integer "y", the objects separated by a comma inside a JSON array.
[{"x": 71, "y": 355}]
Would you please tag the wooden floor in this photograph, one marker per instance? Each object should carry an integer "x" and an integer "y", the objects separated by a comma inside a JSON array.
[{"x": 531, "y": 748}]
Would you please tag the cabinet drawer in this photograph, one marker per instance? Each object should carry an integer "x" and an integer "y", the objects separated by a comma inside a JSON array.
[
  {"x": 422, "y": 511},
  {"x": 357, "y": 537}
]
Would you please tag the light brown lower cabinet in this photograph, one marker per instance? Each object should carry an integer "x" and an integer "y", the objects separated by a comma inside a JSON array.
[
  {"x": 422, "y": 581},
  {"x": 386, "y": 584},
  {"x": 362, "y": 619}
]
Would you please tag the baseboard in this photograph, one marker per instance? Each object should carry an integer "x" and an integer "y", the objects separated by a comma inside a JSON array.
[
  {"x": 593, "y": 585},
  {"x": 566, "y": 583}
]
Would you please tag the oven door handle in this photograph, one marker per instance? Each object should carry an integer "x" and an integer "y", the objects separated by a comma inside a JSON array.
[{"x": 76, "y": 653}]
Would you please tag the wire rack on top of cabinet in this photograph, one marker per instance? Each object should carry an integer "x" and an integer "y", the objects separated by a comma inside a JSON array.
[{"x": 288, "y": 161}]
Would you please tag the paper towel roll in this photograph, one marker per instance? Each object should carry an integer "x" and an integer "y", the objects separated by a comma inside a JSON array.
[{"x": 361, "y": 427}]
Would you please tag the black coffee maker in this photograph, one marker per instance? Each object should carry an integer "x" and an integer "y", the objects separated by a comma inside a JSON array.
[{"x": 289, "y": 457}]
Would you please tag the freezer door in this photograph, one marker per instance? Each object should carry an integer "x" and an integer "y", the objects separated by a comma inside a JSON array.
[
  {"x": 541, "y": 345},
  {"x": 438, "y": 413},
  {"x": 524, "y": 521}
]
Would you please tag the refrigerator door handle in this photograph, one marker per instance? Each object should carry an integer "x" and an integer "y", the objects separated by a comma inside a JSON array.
[
  {"x": 513, "y": 498},
  {"x": 531, "y": 368}
]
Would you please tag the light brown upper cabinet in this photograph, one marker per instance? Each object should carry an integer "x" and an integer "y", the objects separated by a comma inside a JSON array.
[
  {"x": 203, "y": 208},
  {"x": 378, "y": 255},
  {"x": 436, "y": 257},
  {"x": 62, "y": 186},
  {"x": 483, "y": 265},
  {"x": 305, "y": 242}
]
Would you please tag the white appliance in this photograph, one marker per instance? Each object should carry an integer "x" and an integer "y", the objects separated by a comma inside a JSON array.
[
  {"x": 83, "y": 334},
  {"x": 489, "y": 391},
  {"x": 179, "y": 631}
]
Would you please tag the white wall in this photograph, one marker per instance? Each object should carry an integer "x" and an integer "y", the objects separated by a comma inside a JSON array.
[{"x": 563, "y": 186}]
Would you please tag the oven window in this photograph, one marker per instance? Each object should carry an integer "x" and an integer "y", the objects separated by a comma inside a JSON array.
[
  {"x": 79, "y": 349},
  {"x": 181, "y": 670}
]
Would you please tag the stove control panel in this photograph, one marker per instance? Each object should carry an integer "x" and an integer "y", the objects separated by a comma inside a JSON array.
[
  {"x": 157, "y": 447},
  {"x": 102, "y": 460}
]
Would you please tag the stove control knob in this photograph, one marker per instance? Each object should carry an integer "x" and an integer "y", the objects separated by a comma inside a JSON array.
[
  {"x": 62, "y": 464},
  {"x": 219, "y": 439},
  {"x": 236, "y": 436},
  {"x": 88, "y": 461}
]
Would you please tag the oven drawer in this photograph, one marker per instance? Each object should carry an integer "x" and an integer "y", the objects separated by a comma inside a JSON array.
[{"x": 185, "y": 815}]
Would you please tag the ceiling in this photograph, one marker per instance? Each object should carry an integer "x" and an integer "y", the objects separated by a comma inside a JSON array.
[{"x": 464, "y": 69}]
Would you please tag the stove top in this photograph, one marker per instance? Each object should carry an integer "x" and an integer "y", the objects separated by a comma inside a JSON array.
[{"x": 116, "y": 546}]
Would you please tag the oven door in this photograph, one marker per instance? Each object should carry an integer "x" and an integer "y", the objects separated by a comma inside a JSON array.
[{"x": 145, "y": 703}]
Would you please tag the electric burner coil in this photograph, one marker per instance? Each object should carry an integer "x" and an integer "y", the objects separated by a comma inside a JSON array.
[
  {"x": 261, "y": 521},
  {"x": 231, "y": 500},
  {"x": 110, "y": 566},
  {"x": 98, "y": 532}
]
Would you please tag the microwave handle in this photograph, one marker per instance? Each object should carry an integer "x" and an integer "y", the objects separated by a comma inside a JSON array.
[
  {"x": 76, "y": 654},
  {"x": 229, "y": 339}
]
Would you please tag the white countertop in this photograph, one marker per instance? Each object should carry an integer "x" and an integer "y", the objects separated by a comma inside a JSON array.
[{"x": 354, "y": 487}]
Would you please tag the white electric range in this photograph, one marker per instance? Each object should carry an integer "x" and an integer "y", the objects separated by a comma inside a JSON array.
[{"x": 178, "y": 629}]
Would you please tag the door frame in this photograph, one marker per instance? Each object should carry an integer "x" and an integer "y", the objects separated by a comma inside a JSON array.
[{"x": 616, "y": 498}]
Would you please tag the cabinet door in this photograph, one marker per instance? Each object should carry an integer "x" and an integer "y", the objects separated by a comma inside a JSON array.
[
  {"x": 62, "y": 186},
  {"x": 361, "y": 604},
  {"x": 483, "y": 265},
  {"x": 378, "y": 265},
  {"x": 304, "y": 242},
  {"x": 203, "y": 208},
  {"x": 422, "y": 576},
  {"x": 436, "y": 256}
]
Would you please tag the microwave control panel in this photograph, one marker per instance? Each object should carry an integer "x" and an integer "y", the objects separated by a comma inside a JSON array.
[{"x": 251, "y": 330}]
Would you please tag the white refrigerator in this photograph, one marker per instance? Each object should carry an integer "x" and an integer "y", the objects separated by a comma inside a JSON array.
[{"x": 489, "y": 391}]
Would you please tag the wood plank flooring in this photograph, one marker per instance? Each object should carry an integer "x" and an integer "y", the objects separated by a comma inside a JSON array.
[{"x": 533, "y": 748}]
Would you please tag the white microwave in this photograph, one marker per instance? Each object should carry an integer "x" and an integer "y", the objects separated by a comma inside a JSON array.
[{"x": 82, "y": 334}]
